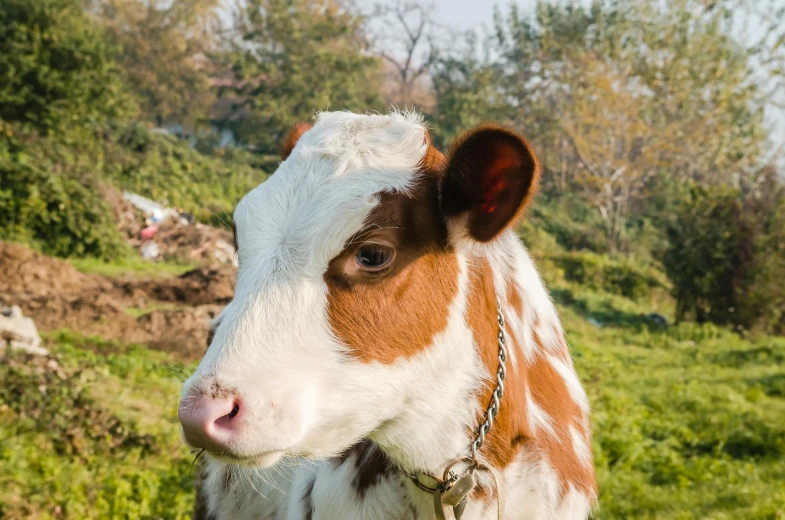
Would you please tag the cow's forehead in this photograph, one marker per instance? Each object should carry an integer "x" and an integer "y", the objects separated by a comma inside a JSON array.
[{"x": 321, "y": 195}]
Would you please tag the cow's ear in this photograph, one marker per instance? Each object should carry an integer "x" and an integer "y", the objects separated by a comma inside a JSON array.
[
  {"x": 292, "y": 137},
  {"x": 490, "y": 176}
]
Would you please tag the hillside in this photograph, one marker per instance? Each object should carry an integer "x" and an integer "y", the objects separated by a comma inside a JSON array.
[{"x": 687, "y": 419}]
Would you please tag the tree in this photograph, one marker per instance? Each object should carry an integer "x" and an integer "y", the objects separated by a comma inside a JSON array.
[
  {"x": 466, "y": 88},
  {"x": 614, "y": 94},
  {"x": 405, "y": 36},
  {"x": 293, "y": 58},
  {"x": 56, "y": 67},
  {"x": 726, "y": 255},
  {"x": 166, "y": 49}
]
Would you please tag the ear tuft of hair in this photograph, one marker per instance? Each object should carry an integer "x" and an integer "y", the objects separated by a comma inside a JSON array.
[{"x": 290, "y": 141}]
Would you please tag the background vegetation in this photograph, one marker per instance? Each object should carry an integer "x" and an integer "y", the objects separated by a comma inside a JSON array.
[{"x": 662, "y": 192}]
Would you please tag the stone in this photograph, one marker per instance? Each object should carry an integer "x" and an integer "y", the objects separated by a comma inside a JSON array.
[{"x": 19, "y": 332}]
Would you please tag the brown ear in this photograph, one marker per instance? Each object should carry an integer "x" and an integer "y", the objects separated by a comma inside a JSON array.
[
  {"x": 491, "y": 175},
  {"x": 291, "y": 139}
]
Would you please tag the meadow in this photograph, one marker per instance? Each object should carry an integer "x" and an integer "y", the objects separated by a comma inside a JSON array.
[{"x": 688, "y": 420}]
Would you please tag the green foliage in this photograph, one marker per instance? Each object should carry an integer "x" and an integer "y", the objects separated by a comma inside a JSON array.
[
  {"x": 687, "y": 420},
  {"x": 131, "y": 265},
  {"x": 616, "y": 275},
  {"x": 165, "y": 54},
  {"x": 93, "y": 438},
  {"x": 465, "y": 86},
  {"x": 726, "y": 256},
  {"x": 298, "y": 57},
  {"x": 164, "y": 168},
  {"x": 62, "y": 215},
  {"x": 56, "y": 68},
  {"x": 49, "y": 186}
]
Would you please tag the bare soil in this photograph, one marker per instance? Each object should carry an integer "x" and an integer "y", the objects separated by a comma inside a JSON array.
[{"x": 170, "y": 314}]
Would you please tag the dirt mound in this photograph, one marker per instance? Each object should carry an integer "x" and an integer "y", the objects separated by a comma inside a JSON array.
[
  {"x": 180, "y": 330},
  {"x": 171, "y": 314},
  {"x": 194, "y": 243},
  {"x": 29, "y": 274},
  {"x": 203, "y": 285}
]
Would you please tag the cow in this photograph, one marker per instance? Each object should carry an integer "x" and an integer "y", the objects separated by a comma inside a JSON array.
[{"x": 391, "y": 351}]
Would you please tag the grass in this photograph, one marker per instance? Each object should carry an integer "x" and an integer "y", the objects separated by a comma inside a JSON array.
[
  {"x": 97, "y": 438},
  {"x": 689, "y": 422},
  {"x": 137, "y": 312},
  {"x": 135, "y": 266}
]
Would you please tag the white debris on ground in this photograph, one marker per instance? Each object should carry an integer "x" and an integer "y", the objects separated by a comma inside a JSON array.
[
  {"x": 19, "y": 332},
  {"x": 150, "y": 208},
  {"x": 174, "y": 234}
]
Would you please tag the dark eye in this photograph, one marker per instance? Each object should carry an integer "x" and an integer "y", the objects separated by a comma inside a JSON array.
[{"x": 374, "y": 257}]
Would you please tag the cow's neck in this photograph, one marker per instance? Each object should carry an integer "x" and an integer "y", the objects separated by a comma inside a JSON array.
[{"x": 438, "y": 424}]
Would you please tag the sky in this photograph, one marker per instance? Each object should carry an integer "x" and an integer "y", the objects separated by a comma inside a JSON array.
[{"x": 471, "y": 14}]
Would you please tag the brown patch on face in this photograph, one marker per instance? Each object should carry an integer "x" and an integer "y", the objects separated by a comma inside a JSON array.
[
  {"x": 511, "y": 430},
  {"x": 290, "y": 141},
  {"x": 395, "y": 313}
]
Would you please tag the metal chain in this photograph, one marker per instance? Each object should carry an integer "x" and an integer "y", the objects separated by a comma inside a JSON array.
[
  {"x": 501, "y": 373},
  {"x": 449, "y": 476}
]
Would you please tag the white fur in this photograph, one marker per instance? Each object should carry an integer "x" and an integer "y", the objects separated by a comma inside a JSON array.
[{"x": 307, "y": 401}]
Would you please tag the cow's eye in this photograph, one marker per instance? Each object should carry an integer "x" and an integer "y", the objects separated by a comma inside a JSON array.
[{"x": 374, "y": 257}]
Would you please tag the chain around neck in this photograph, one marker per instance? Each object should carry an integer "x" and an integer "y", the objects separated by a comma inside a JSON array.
[{"x": 472, "y": 459}]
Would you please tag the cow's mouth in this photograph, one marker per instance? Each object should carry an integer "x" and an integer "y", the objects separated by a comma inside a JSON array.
[{"x": 259, "y": 460}]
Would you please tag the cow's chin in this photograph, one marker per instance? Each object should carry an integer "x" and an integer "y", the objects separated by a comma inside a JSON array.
[{"x": 261, "y": 460}]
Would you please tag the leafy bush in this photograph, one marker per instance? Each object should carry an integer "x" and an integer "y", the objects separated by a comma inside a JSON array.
[
  {"x": 614, "y": 275},
  {"x": 87, "y": 434},
  {"x": 726, "y": 256},
  {"x": 56, "y": 66},
  {"x": 62, "y": 215},
  {"x": 49, "y": 186},
  {"x": 166, "y": 169}
]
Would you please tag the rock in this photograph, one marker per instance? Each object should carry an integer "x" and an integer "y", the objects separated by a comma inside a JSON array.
[
  {"x": 595, "y": 322},
  {"x": 19, "y": 332}
]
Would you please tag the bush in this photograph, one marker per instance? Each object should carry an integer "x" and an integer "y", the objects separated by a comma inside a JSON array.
[
  {"x": 56, "y": 67},
  {"x": 59, "y": 214},
  {"x": 166, "y": 169},
  {"x": 49, "y": 186},
  {"x": 624, "y": 277},
  {"x": 726, "y": 256}
]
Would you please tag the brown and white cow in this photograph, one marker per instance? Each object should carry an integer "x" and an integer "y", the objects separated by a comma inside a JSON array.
[{"x": 361, "y": 344}]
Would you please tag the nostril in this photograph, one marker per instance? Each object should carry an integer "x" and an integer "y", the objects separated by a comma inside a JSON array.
[{"x": 228, "y": 421}]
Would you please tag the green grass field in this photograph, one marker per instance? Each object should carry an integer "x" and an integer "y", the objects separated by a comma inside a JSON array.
[{"x": 689, "y": 422}]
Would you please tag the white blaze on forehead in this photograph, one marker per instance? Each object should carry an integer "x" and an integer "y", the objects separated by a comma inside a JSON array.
[{"x": 298, "y": 220}]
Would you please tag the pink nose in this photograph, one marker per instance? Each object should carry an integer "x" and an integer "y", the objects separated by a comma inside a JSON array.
[{"x": 209, "y": 423}]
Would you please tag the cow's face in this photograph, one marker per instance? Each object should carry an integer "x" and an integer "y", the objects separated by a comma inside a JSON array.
[{"x": 347, "y": 295}]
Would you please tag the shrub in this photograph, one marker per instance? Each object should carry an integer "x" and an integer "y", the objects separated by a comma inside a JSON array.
[
  {"x": 624, "y": 277},
  {"x": 726, "y": 256},
  {"x": 59, "y": 214},
  {"x": 56, "y": 67}
]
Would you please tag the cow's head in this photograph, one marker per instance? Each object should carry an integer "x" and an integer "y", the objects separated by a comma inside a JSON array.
[{"x": 345, "y": 302}]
